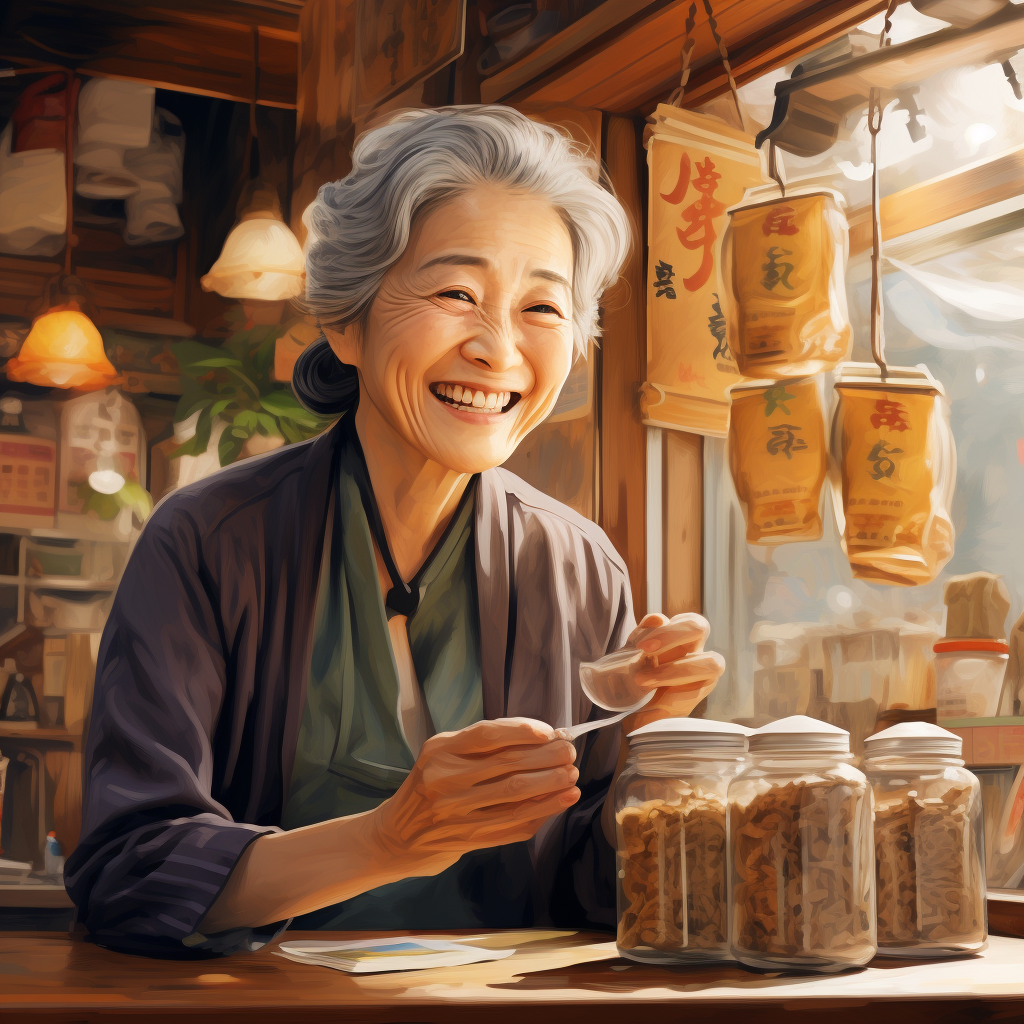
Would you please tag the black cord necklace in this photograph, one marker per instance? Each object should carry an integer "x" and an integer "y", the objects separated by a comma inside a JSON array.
[{"x": 403, "y": 598}]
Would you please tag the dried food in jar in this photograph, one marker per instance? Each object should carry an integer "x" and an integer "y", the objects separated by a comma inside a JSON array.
[
  {"x": 802, "y": 887},
  {"x": 926, "y": 890},
  {"x": 672, "y": 869}
]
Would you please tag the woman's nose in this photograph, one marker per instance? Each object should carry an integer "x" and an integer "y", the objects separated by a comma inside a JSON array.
[{"x": 496, "y": 345}]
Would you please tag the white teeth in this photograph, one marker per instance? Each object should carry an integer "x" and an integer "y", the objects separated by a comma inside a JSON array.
[{"x": 468, "y": 397}]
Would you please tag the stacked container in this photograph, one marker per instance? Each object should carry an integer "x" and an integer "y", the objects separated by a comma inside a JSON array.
[
  {"x": 802, "y": 886},
  {"x": 670, "y": 813},
  {"x": 929, "y": 843}
]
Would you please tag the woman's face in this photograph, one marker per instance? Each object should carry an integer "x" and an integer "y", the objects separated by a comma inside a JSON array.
[{"x": 469, "y": 339}]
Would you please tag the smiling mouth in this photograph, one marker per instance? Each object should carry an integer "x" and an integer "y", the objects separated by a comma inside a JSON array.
[{"x": 474, "y": 399}]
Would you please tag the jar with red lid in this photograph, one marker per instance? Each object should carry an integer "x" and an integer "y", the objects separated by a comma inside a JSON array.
[{"x": 969, "y": 677}]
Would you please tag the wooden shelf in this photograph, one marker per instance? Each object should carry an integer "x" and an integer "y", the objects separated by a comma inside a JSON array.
[
  {"x": 35, "y": 896},
  {"x": 56, "y": 533},
  {"x": 44, "y": 733},
  {"x": 66, "y": 583}
]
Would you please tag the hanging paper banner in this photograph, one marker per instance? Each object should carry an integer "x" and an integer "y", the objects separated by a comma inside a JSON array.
[{"x": 698, "y": 168}]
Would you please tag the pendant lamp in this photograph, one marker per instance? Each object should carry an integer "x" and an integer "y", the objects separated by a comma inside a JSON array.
[
  {"x": 63, "y": 349},
  {"x": 261, "y": 258}
]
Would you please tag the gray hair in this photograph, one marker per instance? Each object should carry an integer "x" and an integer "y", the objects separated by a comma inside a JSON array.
[{"x": 359, "y": 227}]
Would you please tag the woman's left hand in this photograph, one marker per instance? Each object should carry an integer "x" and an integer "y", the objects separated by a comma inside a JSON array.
[{"x": 684, "y": 673}]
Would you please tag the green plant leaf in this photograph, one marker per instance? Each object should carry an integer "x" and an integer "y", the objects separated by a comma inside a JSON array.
[
  {"x": 189, "y": 404},
  {"x": 230, "y": 447},
  {"x": 218, "y": 407},
  {"x": 190, "y": 353},
  {"x": 289, "y": 432},
  {"x": 245, "y": 420},
  {"x": 134, "y": 496},
  {"x": 267, "y": 425},
  {"x": 218, "y": 361},
  {"x": 284, "y": 404},
  {"x": 202, "y": 436}
]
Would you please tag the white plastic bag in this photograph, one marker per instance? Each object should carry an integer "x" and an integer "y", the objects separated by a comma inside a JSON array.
[{"x": 33, "y": 199}]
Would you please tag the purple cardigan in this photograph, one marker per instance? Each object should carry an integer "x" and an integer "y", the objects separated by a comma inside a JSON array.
[{"x": 200, "y": 686}]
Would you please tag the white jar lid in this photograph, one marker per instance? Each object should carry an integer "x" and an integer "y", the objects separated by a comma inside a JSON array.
[
  {"x": 691, "y": 734},
  {"x": 914, "y": 738},
  {"x": 799, "y": 733}
]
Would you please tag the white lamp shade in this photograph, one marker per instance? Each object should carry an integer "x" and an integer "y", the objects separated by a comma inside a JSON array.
[{"x": 261, "y": 259}]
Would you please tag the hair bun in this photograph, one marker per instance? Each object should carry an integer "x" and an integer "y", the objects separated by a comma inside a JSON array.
[{"x": 323, "y": 383}]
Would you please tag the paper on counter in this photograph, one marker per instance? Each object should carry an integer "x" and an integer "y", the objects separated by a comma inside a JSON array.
[{"x": 373, "y": 956}]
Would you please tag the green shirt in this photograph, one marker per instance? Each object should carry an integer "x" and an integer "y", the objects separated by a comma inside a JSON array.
[{"x": 352, "y": 753}]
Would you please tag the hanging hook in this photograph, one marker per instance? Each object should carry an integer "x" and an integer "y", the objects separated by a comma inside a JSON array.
[
  {"x": 875, "y": 110},
  {"x": 774, "y": 171}
]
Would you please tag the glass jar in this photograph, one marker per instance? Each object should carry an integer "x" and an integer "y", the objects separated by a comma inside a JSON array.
[
  {"x": 929, "y": 843},
  {"x": 670, "y": 824},
  {"x": 802, "y": 879}
]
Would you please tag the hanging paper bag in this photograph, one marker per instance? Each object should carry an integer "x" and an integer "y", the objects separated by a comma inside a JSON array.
[
  {"x": 699, "y": 166},
  {"x": 894, "y": 471},
  {"x": 783, "y": 267},
  {"x": 779, "y": 459}
]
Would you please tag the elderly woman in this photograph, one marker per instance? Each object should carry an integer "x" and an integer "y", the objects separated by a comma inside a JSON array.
[{"x": 333, "y": 679}]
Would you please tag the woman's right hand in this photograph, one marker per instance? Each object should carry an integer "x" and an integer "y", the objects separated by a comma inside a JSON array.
[{"x": 493, "y": 783}]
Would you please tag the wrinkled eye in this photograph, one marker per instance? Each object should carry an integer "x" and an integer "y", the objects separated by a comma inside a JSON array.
[
  {"x": 458, "y": 293},
  {"x": 543, "y": 307}
]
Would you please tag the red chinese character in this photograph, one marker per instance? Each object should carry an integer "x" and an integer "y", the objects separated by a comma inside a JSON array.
[
  {"x": 889, "y": 414},
  {"x": 699, "y": 216},
  {"x": 780, "y": 222},
  {"x": 675, "y": 197}
]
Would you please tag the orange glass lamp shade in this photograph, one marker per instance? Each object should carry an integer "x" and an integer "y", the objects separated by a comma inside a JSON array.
[
  {"x": 63, "y": 350},
  {"x": 261, "y": 259}
]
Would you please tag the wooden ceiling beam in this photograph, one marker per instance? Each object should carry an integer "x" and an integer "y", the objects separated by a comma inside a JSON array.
[
  {"x": 624, "y": 57},
  {"x": 202, "y": 48}
]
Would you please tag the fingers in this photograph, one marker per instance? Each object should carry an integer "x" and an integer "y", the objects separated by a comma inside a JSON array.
[
  {"x": 650, "y": 621},
  {"x": 693, "y": 670},
  {"x": 511, "y": 790},
  {"x": 675, "y": 638},
  {"x": 486, "y": 736},
  {"x": 668, "y": 704},
  {"x": 445, "y": 773}
]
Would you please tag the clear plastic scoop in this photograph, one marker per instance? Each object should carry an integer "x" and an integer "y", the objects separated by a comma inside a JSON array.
[{"x": 610, "y": 682}]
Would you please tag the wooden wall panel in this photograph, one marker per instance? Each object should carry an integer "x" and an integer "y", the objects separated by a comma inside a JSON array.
[
  {"x": 623, "y": 368},
  {"x": 324, "y": 131},
  {"x": 683, "y": 518}
]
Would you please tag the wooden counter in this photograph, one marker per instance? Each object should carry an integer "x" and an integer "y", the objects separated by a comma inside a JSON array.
[{"x": 553, "y": 977}]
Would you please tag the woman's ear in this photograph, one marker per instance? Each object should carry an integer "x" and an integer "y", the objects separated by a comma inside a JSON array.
[{"x": 346, "y": 343}]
